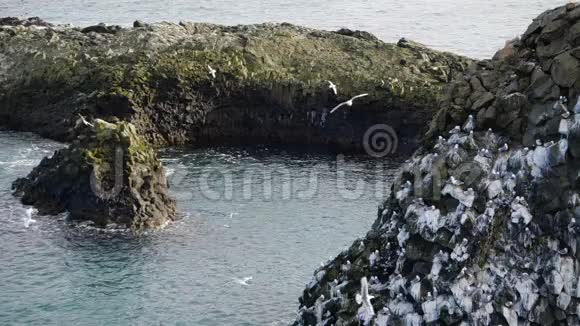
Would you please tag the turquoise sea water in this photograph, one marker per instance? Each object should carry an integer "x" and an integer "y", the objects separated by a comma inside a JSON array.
[{"x": 232, "y": 227}]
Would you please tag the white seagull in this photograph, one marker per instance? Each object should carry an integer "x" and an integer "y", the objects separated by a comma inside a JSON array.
[
  {"x": 28, "y": 218},
  {"x": 348, "y": 103},
  {"x": 85, "y": 122},
  {"x": 366, "y": 311},
  {"x": 211, "y": 71},
  {"x": 332, "y": 86},
  {"x": 469, "y": 124},
  {"x": 504, "y": 148},
  {"x": 243, "y": 281}
]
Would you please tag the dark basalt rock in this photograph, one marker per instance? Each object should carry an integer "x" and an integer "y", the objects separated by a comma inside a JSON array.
[
  {"x": 358, "y": 34},
  {"x": 108, "y": 175},
  {"x": 480, "y": 228},
  {"x": 138, "y": 23},
  {"x": 270, "y": 79},
  {"x": 102, "y": 28},
  {"x": 32, "y": 21}
]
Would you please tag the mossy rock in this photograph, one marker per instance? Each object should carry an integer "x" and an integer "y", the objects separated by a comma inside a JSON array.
[
  {"x": 268, "y": 77},
  {"x": 108, "y": 175}
]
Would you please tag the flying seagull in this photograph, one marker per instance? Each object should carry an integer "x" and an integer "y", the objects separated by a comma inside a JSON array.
[
  {"x": 348, "y": 103},
  {"x": 243, "y": 281},
  {"x": 211, "y": 71},
  {"x": 332, "y": 86}
]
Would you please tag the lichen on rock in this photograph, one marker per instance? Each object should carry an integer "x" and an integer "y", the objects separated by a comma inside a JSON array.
[{"x": 108, "y": 175}]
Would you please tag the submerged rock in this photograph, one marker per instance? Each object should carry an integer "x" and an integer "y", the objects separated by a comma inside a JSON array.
[
  {"x": 491, "y": 231},
  {"x": 109, "y": 174}
]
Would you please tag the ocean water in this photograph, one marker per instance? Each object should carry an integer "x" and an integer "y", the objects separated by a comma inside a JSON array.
[
  {"x": 476, "y": 28},
  {"x": 270, "y": 214}
]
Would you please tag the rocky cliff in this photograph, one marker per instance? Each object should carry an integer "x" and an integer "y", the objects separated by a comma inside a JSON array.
[
  {"x": 170, "y": 84},
  {"x": 481, "y": 225},
  {"x": 207, "y": 84},
  {"x": 109, "y": 175}
]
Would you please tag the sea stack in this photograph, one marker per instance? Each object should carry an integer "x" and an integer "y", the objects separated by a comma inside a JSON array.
[{"x": 108, "y": 175}]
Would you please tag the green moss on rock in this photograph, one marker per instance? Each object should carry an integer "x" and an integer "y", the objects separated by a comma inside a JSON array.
[{"x": 108, "y": 175}]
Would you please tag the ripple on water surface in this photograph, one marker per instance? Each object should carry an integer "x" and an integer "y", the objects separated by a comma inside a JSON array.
[{"x": 232, "y": 227}]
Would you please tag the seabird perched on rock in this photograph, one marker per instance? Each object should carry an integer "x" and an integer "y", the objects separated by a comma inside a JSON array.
[
  {"x": 440, "y": 142},
  {"x": 455, "y": 156},
  {"x": 455, "y": 182},
  {"x": 333, "y": 290},
  {"x": 347, "y": 103},
  {"x": 346, "y": 267},
  {"x": 469, "y": 124},
  {"x": 415, "y": 288},
  {"x": 84, "y": 122},
  {"x": 212, "y": 71},
  {"x": 319, "y": 307},
  {"x": 366, "y": 311},
  {"x": 406, "y": 190},
  {"x": 373, "y": 257},
  {"x": 439, "y": 260},
  {"x": 463, "y": 273},
  {"x": 332, "y": 86},
  {"x": 520, "y": 211},
  {"x": 455, "y": 130},
  {"x": 504, "y": 148}
]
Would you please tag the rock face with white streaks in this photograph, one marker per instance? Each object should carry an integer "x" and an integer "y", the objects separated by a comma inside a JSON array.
[{"x": 491, "y": 224}]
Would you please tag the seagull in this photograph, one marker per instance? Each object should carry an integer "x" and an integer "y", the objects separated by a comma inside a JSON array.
[
  {"x": 243, "y": 281},
  {"x": 319, "y": 309},
  {"x": 469, "y": 124},
  {"x": 332, "y": 86},
  {"x": 85, "y": 122},
  {"x": 28, "y": 218},
  {"x": 232, "y": 214},
  {"x": 348, "y": 103},
  {"x": 363, "y": 298},
  {"x": 211, "y": 71},
  {"x": 455, "y": 130},
  {"x": 504, "y": 148},
  {"x": 455, "y": 182}
]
